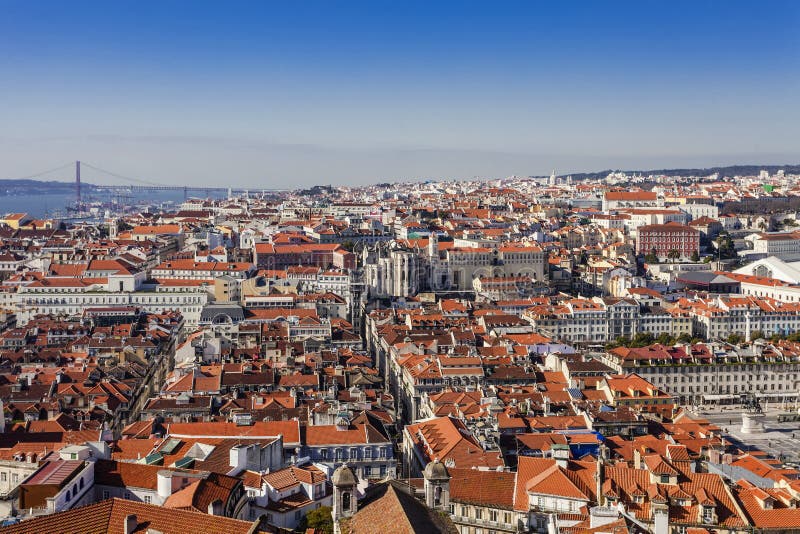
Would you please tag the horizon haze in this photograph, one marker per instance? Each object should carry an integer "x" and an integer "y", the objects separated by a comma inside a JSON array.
[{"x": 287, "y": 95}]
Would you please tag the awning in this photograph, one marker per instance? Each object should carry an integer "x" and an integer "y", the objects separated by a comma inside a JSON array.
[
  {"x": 719, "y": 397},
  {"x": 776, "y": 395}
]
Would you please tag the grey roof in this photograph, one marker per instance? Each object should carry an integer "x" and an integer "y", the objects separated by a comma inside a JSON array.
[
  {"x": 705, "y": 277},
  {"x": 211, "y": 312}
]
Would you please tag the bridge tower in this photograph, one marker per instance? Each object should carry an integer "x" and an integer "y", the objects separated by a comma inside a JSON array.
[{"x": 78, "y": 184}]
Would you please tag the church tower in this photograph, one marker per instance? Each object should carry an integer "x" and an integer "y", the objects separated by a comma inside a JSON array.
[
  {"x": 433, "y": 245},
  {"x": 345, "y": 502},
  {"x": 437, "y": 486}
]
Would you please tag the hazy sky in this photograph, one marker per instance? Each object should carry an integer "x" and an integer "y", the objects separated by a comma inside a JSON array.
[{"x": 279, "y": 94}]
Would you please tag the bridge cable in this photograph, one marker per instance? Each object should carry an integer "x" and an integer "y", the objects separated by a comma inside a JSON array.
[
  {"x": 43, "y": 172},
  {"x": 121, "y": 176}
]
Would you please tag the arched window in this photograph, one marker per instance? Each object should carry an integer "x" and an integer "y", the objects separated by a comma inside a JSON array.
[
  {"x": 763, "y": 270},
  {"x": 346, "y": 500}
]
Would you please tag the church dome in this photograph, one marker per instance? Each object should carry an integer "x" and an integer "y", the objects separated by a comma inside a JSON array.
[
  {"x": 343, "y": 477},
  {"x": 436, "y": 470}
]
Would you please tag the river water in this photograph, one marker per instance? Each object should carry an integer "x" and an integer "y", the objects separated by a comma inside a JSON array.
[{"x": 43, "y": 205}]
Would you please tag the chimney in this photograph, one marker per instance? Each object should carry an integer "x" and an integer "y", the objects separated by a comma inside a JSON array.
[
  {"x": 637, "y": 459},
  {"x": 561, "y": 455},
  {"x": 130, "y": 524},
  {"x": 601, "y": 467},
  {"x": 238, "y": 457},
  {"x": 660, "y": 515},
  {"x": 164, "y": 483}
]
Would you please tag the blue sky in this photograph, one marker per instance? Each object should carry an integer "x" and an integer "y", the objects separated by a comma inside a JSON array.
[{"x": 266, "y": 94}]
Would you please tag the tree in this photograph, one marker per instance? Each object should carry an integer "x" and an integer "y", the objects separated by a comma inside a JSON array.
[
  {"x": 725, "y": 246},
  {"x": 684, "y": 338},
  {"x": 319, "y": 519},
  {"x": 756, "y": 334},
  {"x": 695, "y": 256},
  {"x": 642, "y": 339},
  {"x": 665, "y": 339},
  {"x": 652, "y": 256},
  {"x": 673, "y": 255},
  {"x": 734, "y": 339}
]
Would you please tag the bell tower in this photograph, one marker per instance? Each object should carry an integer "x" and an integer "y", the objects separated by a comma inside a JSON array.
[
  {"x": 437, "y": 486},
  {"x": 345, "y": 497}
]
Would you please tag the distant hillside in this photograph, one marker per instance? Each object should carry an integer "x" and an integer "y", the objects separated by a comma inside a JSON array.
[
  {"x": 29, "y": 187},
  {"x": 730, "y": 171}
]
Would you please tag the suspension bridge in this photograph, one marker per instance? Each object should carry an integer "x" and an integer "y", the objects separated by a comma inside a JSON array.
[{"x": 133, "y": 184}]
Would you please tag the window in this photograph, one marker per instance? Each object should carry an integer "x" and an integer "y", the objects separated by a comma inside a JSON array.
[
  {"x": 127, "y": 495},
  {"x": 3, "y": 476},
  {"x": 492, "y": 515},
  {"x": 106, "y": 495},
  {"x": 148, "y": 499}
]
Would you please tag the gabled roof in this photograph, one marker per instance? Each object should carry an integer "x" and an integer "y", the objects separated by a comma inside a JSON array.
[
  {"x": 389, "y": 508},
  {"x": 544, "y": 476},
  {"x": 483, "y": 488},
  {"x": 109, "y": 517}
]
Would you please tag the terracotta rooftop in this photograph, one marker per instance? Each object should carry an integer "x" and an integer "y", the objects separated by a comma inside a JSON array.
[
  {"x": 389, "y": 508},
  {"x": 110, "y": 516}
]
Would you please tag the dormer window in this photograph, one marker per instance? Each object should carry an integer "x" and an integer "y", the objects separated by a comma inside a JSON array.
[
  {"x": 708, "y": 515},
  {"x": 665, "y": 479}
]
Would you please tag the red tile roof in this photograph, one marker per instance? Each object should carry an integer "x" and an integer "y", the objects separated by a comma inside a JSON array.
[
  {"x": 483, "y": 488},
  {"x": 109, "y": 517}
]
